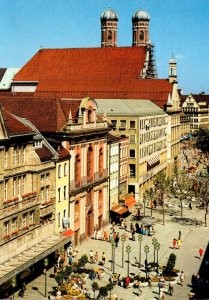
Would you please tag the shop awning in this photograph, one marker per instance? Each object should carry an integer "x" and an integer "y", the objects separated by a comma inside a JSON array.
[
  {"x": 119, "y": 209},
  {"x": 153, "y": 160},
  {"x": 68, "y": 232},
  {"x": 130, "y": 201}
]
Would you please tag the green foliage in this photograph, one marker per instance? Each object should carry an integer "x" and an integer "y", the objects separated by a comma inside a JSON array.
[
  {"x": 59, "y": 277},
  {"x": 95, "y": 286},
  {"x": 171, "y": 263},
  {"x": 110, "y": 286},
  {"x": 202, "y": 141},
  {"x": 103, "y": 291},
  {"x": 82, "y": 261}
]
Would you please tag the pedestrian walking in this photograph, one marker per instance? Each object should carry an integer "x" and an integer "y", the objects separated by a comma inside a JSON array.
[
  {"x": 117, "y": 239},
  {"x": 193, "y": 280},
  {"x": 96, "y": 257},
  {"x": 181, "y": 277},
  {"x": 179, "y": 242},
  {"x": 174, "y": 243},
  {"x": 133, "y": 234},
  {"x": 131, "y": 227},
  {"x": 103, "y": 258},
  {"x": 170, "y": 288},
  {"x": 125, "y": 225},
  {"x": 91, "y": 256},
  {"x": 179, "y": 235},
  {"x": 201, "y": 252}
]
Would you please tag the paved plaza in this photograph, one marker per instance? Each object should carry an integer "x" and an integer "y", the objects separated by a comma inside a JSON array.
[{"x": 187, "y": 257}]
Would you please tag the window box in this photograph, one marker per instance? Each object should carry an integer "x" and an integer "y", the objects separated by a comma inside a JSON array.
[
  {"x": 15, "y": 232},
  {"x": 8, "y": 201},
  {"x": 6, "y": 237},
  {"x": 25, "y": 227},
  {"x": 28, "y": 195}
]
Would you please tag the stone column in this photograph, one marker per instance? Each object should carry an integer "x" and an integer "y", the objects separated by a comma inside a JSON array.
[
  {"x": 83, "y": 215},
  {"x": 96, "y": 195}
]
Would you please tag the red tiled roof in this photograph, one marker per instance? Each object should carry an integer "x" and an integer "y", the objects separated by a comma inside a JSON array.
[
  {"x": 48, "y": 114},
  {"x": 14, "y": 126},
  {"x": 84, "y": 63},
  {"x": 156, "y": 90},
  {"x": 44, "y": 153}
]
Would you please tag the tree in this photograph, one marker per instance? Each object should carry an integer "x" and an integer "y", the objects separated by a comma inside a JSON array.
[
  {"x": 180, "y": 185},
  {"x": 149, "y": 195},
  {"x": 110, "y": 287},
  {"x": 162, "y": 184},
  {"x": 95, "y": 287},
  {"x": 103, "y": 291},
  {"x": 171, "y": 263},
  {"x": 202, "y": 140},
  {"x": 82, "y": 261},
  {"x": 202, "y": 189}
]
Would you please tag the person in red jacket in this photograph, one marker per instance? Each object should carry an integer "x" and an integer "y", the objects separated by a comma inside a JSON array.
[{"x": 201, "y": 252}]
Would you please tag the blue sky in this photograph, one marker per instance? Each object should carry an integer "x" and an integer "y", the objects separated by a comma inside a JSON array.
[{"x": 180, "y": 27}]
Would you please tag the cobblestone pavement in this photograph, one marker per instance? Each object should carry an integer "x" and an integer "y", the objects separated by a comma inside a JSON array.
[{"x": 187, "y": 258}]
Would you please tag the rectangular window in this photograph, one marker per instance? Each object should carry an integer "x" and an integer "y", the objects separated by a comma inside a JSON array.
[
  {"x": 18, "y": 155},
  {"x": 59, "y": 194},
  {"x": 132, "y": 138},
  {"x": 114, "y": 123},
  {"x": 14, "y": 224},
  {"x": 132, "y": 152},
  {"x": 31, "y": 217},
  {"x": 47, "y": 193},
  {"x": 59, "y": 219},
  {"x": 18, "y": 185},
  {"x": 24, "y": 220},
  {"x": 42, "y": 194},
  {"x": 132, "y": 170},
  {"x": 65, "y": 169},
  {"x": 123, "y": 124},
  {"x": 14, "y": 156},
  {"x": 64, "y": 213},
  {"x": 14, "y": 187},
  {"x": 6, "y": 228},
  {"x": 65, "y": 192},
  {"x": 42, "y": 178},
  {"x": 24, "y": 154},
  {"x": 6, "y": 189},
  {"x": 5, "y": 159},
  {"x": 132, "y": 124},
  {"x": 23, "y": 184}
]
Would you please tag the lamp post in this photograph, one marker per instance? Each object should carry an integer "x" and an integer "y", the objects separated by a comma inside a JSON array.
[
  {"x": 123, "y": 240},
  {"x": 157, "y": 248},
  {"x": 154, "y": 241},
  {"x": 146, "y": 250},
  {"x": 46, "y": 261},
  {"x": 128, "y": 250},
  {"x": 144, "y": 201},
  {"x": 13, "y": 283},
  {"x": 140, "y": 238},
  {"x": 112, "y": 241}
]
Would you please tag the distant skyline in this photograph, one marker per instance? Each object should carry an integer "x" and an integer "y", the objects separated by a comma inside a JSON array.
[{"x": 179, "y": 27}]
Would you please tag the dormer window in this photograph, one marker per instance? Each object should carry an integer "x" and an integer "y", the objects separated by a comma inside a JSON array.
[
  {"x": 90, "y": 116},
  {"x": 38, "y": 144}
]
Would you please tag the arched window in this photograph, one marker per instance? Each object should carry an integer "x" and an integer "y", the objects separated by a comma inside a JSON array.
[
  {"x": 77, "y": 169},
  {"x": 100, "y": 200},
  {"x": 90, "y": 116},
  {"x": 65, "y": 169},
  {"x": 100, "y": 162},
  {"x": 109, "y": 36},
  {"x": 141, "y": 35},
  {"x": 172, "y": 71},
  {"x": 89, "y": 163}
]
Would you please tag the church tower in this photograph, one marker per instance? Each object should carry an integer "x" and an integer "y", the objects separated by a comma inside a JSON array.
[
  {"x": 140, "y": 26},
  {"x": 109, "y": 27},
  {"x": 172, "y": 70}
]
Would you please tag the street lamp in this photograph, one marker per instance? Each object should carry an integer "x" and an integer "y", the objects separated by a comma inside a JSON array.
[
  {"x": 123, "y": 240},
  {"x": 140, "y": 238},
  {"x": 154, "y": 241},
  {"x": 112, "y": 241},
  {"x": 13, "y": 283},
  {"x": 146, "y": 250},
  {"x": 157, "y": 248},
  {"x": 128, "y": 250},
  {"x": 46, "y": 261}
]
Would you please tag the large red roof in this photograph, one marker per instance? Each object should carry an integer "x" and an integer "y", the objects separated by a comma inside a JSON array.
[
  {"x": 48, "y": 114},
  {"x": 84, "y": 64}
]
